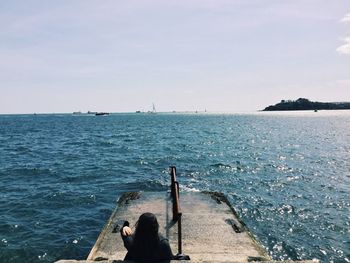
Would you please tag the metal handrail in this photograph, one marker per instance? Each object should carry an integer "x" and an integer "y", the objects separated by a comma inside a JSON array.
[{"x": 175, "y": 193}]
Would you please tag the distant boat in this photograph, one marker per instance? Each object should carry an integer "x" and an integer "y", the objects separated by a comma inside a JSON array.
[
  {"x": 76, "y": 112},
  {"x": 153, "y": 109},
  {"x": 101, "y": 113}
]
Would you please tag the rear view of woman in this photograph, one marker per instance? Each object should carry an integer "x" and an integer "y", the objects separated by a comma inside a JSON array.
[{"x": 146, "y": 244}]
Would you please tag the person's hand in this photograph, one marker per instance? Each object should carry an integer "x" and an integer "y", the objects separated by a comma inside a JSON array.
[{"x": 126, "y": 231}]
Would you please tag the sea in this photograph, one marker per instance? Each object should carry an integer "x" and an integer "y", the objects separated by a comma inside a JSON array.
[{"x": 287, "y": 174}]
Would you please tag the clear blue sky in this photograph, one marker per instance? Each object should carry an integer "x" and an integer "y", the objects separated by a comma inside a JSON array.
[{"x": 124, "y": 55}]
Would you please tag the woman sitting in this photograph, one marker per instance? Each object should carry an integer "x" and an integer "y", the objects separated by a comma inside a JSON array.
[{"x": 146, "y": 244}]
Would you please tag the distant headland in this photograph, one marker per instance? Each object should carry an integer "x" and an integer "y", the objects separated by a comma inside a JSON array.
[{"x": 305, "y": 104}]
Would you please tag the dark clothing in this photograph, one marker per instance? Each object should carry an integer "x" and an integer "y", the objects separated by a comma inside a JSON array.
[{"x": 162, "y": 250}]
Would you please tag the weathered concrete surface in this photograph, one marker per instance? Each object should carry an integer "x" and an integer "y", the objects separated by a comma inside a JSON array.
[{"x": 211, "y": 231}]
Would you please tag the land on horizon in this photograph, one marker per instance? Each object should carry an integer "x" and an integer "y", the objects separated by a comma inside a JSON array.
[
  {"x": 301, "y": 104},
  {"x": 305, "y": 104}
]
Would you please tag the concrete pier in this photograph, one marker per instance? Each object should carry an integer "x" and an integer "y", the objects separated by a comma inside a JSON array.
[{"x": 211, "y": 231}]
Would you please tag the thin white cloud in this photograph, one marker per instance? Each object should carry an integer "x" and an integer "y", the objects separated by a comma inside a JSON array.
[
  {"x": 346, "y": 19},
  {"x": 345, "y": 49}
]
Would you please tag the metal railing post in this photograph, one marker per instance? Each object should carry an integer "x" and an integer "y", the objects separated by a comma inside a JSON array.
[
  {"x": 175, "y": 193},
  {"x": 179, "y": 234}
]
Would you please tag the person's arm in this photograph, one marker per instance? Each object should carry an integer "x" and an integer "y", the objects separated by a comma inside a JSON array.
[{"x": 126, "y": 234}]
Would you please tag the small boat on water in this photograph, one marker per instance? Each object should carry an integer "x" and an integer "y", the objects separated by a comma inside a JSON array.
[
  {"x": 205, "y": 227},
  {"x": 101, "y": 113},
  {"x": 153, "y": 109}
]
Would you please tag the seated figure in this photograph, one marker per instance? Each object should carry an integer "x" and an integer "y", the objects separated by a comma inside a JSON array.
[{"x": 146, "y": 244}]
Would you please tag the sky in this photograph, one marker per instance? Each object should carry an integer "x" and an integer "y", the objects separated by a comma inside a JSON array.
[{"x": 182, "y": 55}]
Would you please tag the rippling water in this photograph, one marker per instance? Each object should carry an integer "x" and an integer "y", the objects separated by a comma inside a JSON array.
[{"x": 287, "y": 174}]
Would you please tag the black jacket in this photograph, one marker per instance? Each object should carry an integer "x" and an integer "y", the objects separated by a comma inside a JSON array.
[{"x": 162, "y": 250}]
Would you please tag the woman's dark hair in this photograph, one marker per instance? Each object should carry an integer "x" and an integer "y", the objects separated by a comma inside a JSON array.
[{"x": 146, "y": 237}]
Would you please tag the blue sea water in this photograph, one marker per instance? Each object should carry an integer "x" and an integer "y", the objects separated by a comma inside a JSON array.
[{"x": 287, "y": 175}]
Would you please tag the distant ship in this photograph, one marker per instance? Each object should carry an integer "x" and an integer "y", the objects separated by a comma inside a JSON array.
[{"x": 101, "y": 113}]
